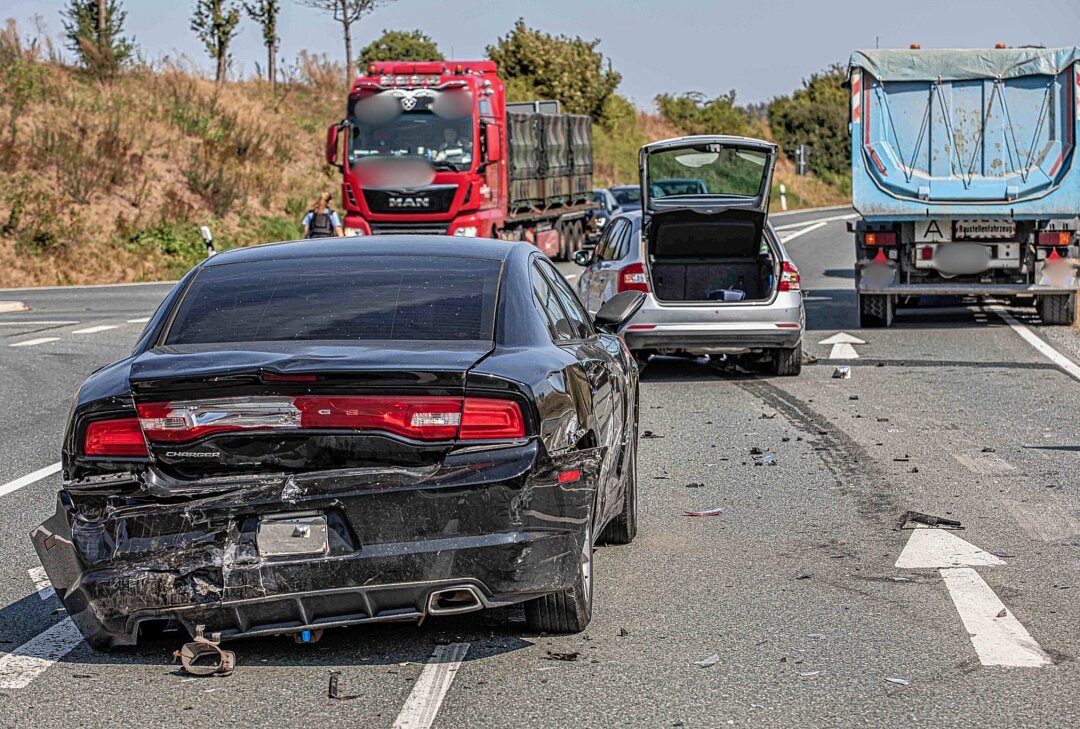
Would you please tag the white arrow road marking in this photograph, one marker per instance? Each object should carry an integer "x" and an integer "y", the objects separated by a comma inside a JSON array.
[
  {"x": 29, "y": 478},
  {"x": 842, "y": 346},
  {"x": 935, "y": 548},
  {"x": 41, "y": 582},
  {"x": 998, "y": 641},
  {"x": 95, "y": 330},
  {"x": 430, "y": 688},
  {"x": 804, "y": 231},
  {"x": 24, "y": 664},
  {"x": 35, "y": 342}
]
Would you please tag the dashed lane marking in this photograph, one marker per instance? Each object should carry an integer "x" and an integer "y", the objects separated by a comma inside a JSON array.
[
  {"x": 33, "y": 323},
  {"x": 804, "y": 231},
  {"x": 830, "y": 219},
  {"x": 98, "y": 328},
  {"x": 143, "y": 320},
  {"x": 29, "y": 479},
  {"x": 430, "y": 688},
  {"x": 19, "y": 668},
  {"x": 41, "y": 582},
  {"x": 1043, "y": 348},
  {"x": 35, "y": 342}
]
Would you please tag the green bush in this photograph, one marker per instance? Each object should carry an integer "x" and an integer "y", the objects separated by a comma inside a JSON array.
[{"x": 692, "y": 113}]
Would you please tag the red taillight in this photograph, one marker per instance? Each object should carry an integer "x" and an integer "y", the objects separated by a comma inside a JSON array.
[
  {"x": 120, "y": 437},
  {"x": 484, "y": 419},
  {"x": 789, "y": 277},
  {"x": 633, "y": 278},
  {"x": 1055, "y": 237},
  {"x": 880, "y": 238},
  {"x": 927, "y": 253},
  {"x": 570, "y": 476},
  {"x": 421, "y": 418}
]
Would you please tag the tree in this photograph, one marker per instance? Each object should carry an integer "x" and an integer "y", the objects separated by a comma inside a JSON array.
[
  {"x": 400, "y": 45},
  {"x": 93, "y": 29},
  {"x": 265, "y": 13},
  {"x": 816, "y": 115},
  {"x": 692, "y": 113},
  {"x": 347, "y": 13},
  {"x": 538, "y": 65},
  {"x": 215, "y": 22}
]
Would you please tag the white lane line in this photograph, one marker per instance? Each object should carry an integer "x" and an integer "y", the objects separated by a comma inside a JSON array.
[
  {"x": 19, "y": 668},
  {"x": 999, "y": 641},
  {"x": 430, "y": 688},
  {"x": 804, "y": 231},
  {"x": 1043, "y": 348},
  {"x": 830, "y": 219},
  {"x": 143, "y": 320},
  {"x": 41, "y": 582},
  {"x": 984, "y": 464},
  {"x": 35, "y": 342},
  {"x": 98, "y": 328},
  {"x": 29, "y": 479},
  {"x": 806, "y": 211}
]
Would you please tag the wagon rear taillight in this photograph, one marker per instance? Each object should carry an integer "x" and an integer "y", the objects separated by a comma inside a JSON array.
[
  {"x": 790, "y": 280},
  {"x": 433, "y": 418},
  {"x": 633, "y": 278}
]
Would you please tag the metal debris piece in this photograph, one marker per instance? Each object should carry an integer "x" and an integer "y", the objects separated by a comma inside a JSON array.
[
  {"x": 987, "y": 449},
  {"x": 332, "y": 689},
  {"x": 852, "y": 397},
  {"x": 694, "y": 485},
  {"x": 623, "y": 632},
  {"x": 920, "y": 518},
  {"x": 769, "y": 460},
  {"x": 201, "y": 646},
  {"x": 804, "y": 575},
  {"x": 555, "y": 656},
  {"x": 897, "y": 681},
  {"x": 755, "y": 451},
  {"x": 808, "y": 674},
  {"x": 650, "y": 434},
  {"x": 842, "y": 372},
  {"x": 766, "y": 416},
  {"x": 710, "y": 661},
  {"x": 709, "y": 512}
]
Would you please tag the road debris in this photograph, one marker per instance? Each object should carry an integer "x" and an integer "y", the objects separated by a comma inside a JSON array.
[
  {"x": 816, "y": 636},
  {"x": 694, "y": 485},
  {"x": 852, "y": 397},
  {"x": 708, "y": 512},
  {"x": 808, "y": 674},
  {"x": 1003, "y": 613},
  {"x": 650, "y": 434},
  {"x": 804, "y": 575},
  {"x": 769, "y": 460},
  {"x": 897, "y": 681},
  {"x": 201, "y": 647},
  {"x": 927, "y": 519},
  {"x": 332, "y": 689},
  {"x": 842, "y": 372},
  {"x": 556, "y": 656},
  {"x": 623, "y": 632},
  {"x": 710, "y": 661}
]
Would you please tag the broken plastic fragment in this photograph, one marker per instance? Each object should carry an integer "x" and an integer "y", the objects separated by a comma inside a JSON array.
[
  {"x": 842, "y": 373},
  {"x": 710, "y": 661},
  {"x": 710, "y": 512},
  {"x": 897, "y": 681},
  {"x": 332, "y": 689}
]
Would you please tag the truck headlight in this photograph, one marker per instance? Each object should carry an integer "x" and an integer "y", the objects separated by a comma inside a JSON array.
[
  {"x": 353, "y": 232},
  {"x": 466, "y": 231}
]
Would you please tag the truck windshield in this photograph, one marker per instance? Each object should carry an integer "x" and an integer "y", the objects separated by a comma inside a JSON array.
[{"x": 427, "y": 123}]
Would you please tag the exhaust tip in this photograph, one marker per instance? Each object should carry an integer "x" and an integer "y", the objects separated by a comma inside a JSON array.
[{"x": 454, "y": 600}]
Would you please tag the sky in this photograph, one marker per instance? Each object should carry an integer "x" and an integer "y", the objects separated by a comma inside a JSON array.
[{"x": 759, "y": 48}]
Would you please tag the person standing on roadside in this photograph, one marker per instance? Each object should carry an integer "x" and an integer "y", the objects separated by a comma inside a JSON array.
[{"x": 321, "y": 221}]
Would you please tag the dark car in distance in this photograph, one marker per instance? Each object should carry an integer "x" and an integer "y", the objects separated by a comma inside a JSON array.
[
  {"x": 313, "y": 434},
  {"x": 600, "y": 216},
  {"x": 628, "y": 197}
]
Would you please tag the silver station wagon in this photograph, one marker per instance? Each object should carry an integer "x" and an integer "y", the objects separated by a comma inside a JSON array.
[{"x": 717, "y": 277}]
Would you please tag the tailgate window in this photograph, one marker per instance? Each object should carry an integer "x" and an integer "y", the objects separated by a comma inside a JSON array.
[
  {"x": 352, "y": 298},
  {"x": 707, "y": 169}
]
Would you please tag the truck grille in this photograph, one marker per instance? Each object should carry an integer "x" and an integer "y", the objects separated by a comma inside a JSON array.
[
  {"x": 410, "y": 228},
  {"x": 430, "y": 199}
]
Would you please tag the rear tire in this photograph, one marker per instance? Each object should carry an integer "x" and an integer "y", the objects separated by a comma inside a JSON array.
[
  {"x": 566, "y": 611},
  {"x": 623, "y": 528},
  {"x": 876, "y": 310},
  {"x": 786, "y": 361},
  {"x": 1057, "y": 309}
]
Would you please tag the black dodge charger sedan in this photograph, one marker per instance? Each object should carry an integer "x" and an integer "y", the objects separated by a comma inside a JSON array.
[{"x": 326, "y": 433}]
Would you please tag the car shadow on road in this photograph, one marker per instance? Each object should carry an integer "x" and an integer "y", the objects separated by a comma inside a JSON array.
[{"x": 837, "y": 309}]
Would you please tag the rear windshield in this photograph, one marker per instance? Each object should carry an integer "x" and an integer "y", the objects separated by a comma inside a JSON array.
[
  {"x": 707, "y": 169},
  {"x": 351, "y": 298}
]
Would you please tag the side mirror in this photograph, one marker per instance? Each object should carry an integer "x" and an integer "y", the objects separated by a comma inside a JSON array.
[
  {"x": 332, "y": 145},
  {"x": 618, "y": 310},
  {"x": 583, "y": 257},
  {"x": 492, "y": 142}
]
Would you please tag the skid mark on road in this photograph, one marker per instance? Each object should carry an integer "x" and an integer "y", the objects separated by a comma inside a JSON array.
[{"x": 430, "y": 688}]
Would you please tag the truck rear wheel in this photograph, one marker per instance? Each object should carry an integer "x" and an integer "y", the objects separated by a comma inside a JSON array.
[
  {"x": 1057, "y": 309},
  {"x": 876, "y": 310}
]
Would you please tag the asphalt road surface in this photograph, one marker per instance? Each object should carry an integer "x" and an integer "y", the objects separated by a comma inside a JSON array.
[{"x": 803, "y": 603}]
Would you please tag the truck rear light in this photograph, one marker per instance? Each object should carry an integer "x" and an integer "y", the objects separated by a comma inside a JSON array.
[
  {"x": 118, "y": 437},
  {"x": 420, "y": 418},
  {"x": 926, "y": 253},
  {"x": 1055, "y": 237},
  {"x": 484, "y": 419},
  {"x": 790, "y": 280},
  {"x": 633, "y": 278},
  {"x": 879, "y": 238}
]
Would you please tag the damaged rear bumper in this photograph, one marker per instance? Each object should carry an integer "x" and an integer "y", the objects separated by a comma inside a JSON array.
[{"x": 483, "y": 528}]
